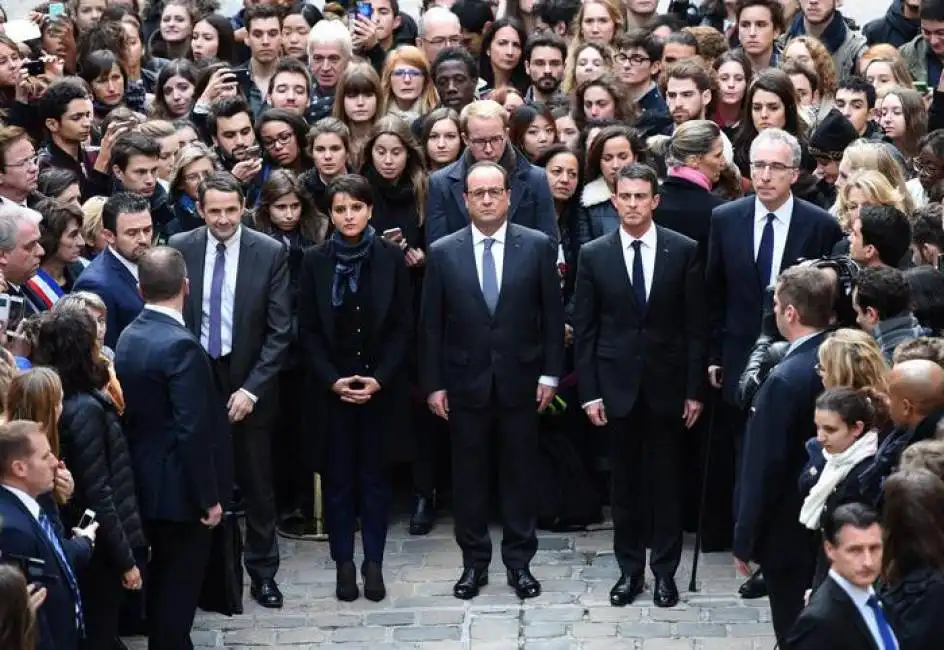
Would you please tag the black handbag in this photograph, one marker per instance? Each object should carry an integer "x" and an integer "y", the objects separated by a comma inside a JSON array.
[{"x": 222, "y": 590}]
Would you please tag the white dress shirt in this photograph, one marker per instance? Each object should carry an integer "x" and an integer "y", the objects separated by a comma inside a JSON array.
[
  {"x": 228, "y": 296},
  {"x": 498, "y": 254},
  {"x": 131, "y": 266},
  {"x": 32, "y": 506},
  {"x": 647, "y": 250},
  {"x": 781, "y": 225},
  {"x": 167, "y": 311},
  {"x": 860, "y": 597}
]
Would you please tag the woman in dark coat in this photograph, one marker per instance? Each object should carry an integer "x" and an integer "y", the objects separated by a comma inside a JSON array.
[
  {"x": 355, "y": 327},
  {"x": 94, "y": 447}
]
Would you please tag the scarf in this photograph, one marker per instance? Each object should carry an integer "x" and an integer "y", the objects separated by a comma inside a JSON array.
[
  {"x": 837, "y": 468},
  {"x": 691, "y": 175},
  {"x": 348, "y": 261},
  {"x": 101, "y": 109}
]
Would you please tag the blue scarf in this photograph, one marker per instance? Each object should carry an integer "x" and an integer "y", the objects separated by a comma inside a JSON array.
[{"x": 348, "y": 261}]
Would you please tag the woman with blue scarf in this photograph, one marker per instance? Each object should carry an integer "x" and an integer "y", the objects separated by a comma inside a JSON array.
[{"x": 354, "y": 325}]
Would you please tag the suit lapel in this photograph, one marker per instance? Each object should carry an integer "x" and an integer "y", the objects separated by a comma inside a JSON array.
[
  {"x": 511, "y": 262},
  {"x": 745, "y": 245},
  {"x": 796, "y": 235},
  {"x": 468, "y": 268},
  {"x": 195, "y": 257},
  {"x": 621, "y": 277},
  {"x": 849, "y": 610},
  {"x": 15, "y": 500},
  {"x": 658, "y": 268}
]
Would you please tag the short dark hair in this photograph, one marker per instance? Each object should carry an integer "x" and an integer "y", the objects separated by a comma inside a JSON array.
[
  {"x": 220, "y": 182},
  {"x": 688, "y": 69},
  {"x": 855, "y": 514},
  {"x": 546, "y": 39},
  {"x": 482, "y": 164},
  {"x": 774, "y": 6},
  {"x": 15, "y": 443},
  {"x": 229, "y": 107},
  {"x": 883, "y": 289},
  {"x": 792, "y": 67},
  {"x": 664, "y": 20},
  {"x": 931, "y": 10},
  {"x": 927, "y": 225},
  {"x": 639, "y": 172},
  {"x": 56, "y": 218},
  {"x": 54, "y": 103},
  {"x": 456, "y": 54},
  {"x": 133, "y": 143},
  {"x": 553, "y": 12},
  {"x": 354, "y": 185},
  {"x": 99, "y": 63},
  {"x": 682, "y": 38},
  {"x": 290, "y": 65},
  {"x": 859, "y": 85},
  {"x": 119, "y": 204},
  {"x": 261, "y": 12},
  {"x": 161, "y": 273},
  {"x": 640, "y": 38},
  {"x": 53, "y": 181},
  {"x": 473, "y": 15},
  {"x": 811, "y": 292},
  {"x": 887, "y": 229}
]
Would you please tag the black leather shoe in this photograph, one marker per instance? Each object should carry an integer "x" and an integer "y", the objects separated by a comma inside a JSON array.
[
  {"x": 626, "y": 590},
  {"x": 346, "y": 585},
  {"x": 471, "y": 580},
  {"x": 374, "y": 588},
  {"x": 424, "y": 515},
  {"x": 525, "y": 585},
  {"x": 665, "y": 593},
  {"x": 267, "y": 593},
  {"x": 754, "y": 587}
]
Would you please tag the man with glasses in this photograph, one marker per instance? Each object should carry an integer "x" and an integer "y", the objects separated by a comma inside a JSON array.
[
  {"x": 925, "y": 54},
  {"x": 485, "y": 133},
  {"x": 491, "y": 353},
  {"x": 638, "y": 63},
  {"x": 439, "y": 29},
  {"x": 19, "y": 168}
]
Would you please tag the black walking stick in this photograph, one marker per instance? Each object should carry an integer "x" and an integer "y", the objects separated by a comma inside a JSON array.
[{"x": 704, "y": 488}]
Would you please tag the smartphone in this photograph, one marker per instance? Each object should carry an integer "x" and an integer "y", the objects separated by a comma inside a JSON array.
[
  {"x": 4, "y": 308},
  {"x": 364, "y": 9},
  {"x": 34, "y": 67},
  {"x": 921, "y": 87},
  {"x": 16, "y": 312},
  {"x": 56, "y": 9},
  {"x": 242, "y": 77},
  {"x": 251, "y": 152},
  {"x": 393, "y": 233},
  {"x": 87, "y": 519}
]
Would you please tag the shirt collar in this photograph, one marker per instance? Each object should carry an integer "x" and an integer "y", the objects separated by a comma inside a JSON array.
[
  {"x": 858, "y": 595},
  {"x": 31, "y": 504},
  {"x": 131, "y": 266},
  {"x": 212, "y": 241},
  {"x": 648, "y": 239},
  {"x": 167, "y": 311},
  {"x": 800, "y": 341},
  {"x": 499, "y": 236},
  {"x": 783, "y": 213}
]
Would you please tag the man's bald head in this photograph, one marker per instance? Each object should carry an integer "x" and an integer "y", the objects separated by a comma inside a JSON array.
[{"x": 916, "y": 388}]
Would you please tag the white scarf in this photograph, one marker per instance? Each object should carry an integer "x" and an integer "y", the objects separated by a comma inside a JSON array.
[{"x": 837, "y": 468}]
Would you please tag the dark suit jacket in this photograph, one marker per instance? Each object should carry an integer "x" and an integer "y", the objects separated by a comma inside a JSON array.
[
  {"x": 735, "y": 294},
  {"x": 774, "y": 454},
  {"x": 21, "y": 535},
  {"x": 107, "y": 277},
  {"x": 686, "y": 208},
  {"x": 262, "y": 317},
  {"x": 830, "y": 622},
  {"x": 465, "y": 349},
  {"x": 619, "y": 348},
  {"x": 178, "y": 435},
  {"x": 531, "y": 202}
]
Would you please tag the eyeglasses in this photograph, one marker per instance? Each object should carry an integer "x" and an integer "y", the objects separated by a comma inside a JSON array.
[
  {"x": 196, "y": 177},
  {"x": 635, "y": 59},
  {"x": 492, "y": 192},
  {"x": 26, "y": 162},
  {"x": 439, "y": 41},
  {"x": 409, "y": 73},
  {"x": 925, "y": 170},
  {"x": 481, "y": 143},
  {"x": 281, "y": 139},
  {"x": 773, "y": 167}
]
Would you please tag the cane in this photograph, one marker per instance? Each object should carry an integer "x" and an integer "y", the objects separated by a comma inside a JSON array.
[
  {"x": 320, "y": 534},
  {"x": 704, "y": 490}
]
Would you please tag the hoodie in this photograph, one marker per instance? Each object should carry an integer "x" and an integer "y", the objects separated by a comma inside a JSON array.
[{"x": 892, "y": 28}]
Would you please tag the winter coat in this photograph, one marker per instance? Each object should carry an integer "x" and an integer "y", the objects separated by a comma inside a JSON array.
[
  {"x": 892, "y": 28},
  {"x": 916, "y": 603},
  {"x": 597, "y": 215}
]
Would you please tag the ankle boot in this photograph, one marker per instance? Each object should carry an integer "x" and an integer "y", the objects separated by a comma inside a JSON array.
[
  {"x": 374, "y": 588},
  {"x": 424, "y": 514},
  {"x": 347, "y": 582}
]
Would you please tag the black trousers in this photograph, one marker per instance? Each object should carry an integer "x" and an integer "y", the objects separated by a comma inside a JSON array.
[
  {"x": 646, "y": 469},
  {"x": 294, "y": 480},
  {"x": 102, "y": 595},
  {"x": 516, "y": 433},
  {"x": 786, "y": 585},
  {"x": 430, "y": 450},
  {"x": 252, "y": 460},
  {"x": 179, "y": 553},
  {"x": 356, "y": 467}
]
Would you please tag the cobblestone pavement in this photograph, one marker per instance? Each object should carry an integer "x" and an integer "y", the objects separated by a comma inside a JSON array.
[{"x": 573, "y": 613}]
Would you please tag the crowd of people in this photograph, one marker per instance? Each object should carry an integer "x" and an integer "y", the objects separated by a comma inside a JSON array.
[{"x": 251, "y": 262}]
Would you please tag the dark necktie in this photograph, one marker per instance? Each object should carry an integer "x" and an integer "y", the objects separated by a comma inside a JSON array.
[
  {"x": 884, "y": 629},
  {"x": 53, "y": 539},
  {"x": 765, "y": 253},
  {"x": 489, "y": 276},
  {"x": 215, "y": 335},
  {"x": 639, "y": 277}
]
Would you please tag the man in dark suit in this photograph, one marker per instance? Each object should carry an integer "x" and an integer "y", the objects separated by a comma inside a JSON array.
[
  {"x": 180, "y": 446},
  {"x": 22, "y": 260},
  {"x": 27, "y": 471},
  {"x": 750, "y": 242},
  {"x": 767, "y": 529},
  {"x": 844, "y": 612},
  {"x": 485, "y": 132},
  {"x": 238, "y": 308},
  {"x": 491, "y": 353},
  {"x": 639, "y": 336},
  {"x": 113, "y": 275}
]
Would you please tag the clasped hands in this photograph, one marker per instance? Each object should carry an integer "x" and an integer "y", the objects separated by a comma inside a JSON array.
[{"x": 356, "y": 389}]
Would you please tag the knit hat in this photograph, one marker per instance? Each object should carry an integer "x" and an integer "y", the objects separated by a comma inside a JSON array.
[{"x": 832, "y": 135}]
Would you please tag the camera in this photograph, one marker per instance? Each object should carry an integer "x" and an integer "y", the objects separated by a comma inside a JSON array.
[
  {"x": 32, "y": 568},
  {"x": 34, "y": 67}
]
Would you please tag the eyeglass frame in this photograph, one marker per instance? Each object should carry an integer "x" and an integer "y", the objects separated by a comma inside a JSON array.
[
  {"x": 480, "y": 143},
  {"x": 281, "y": 139},
  {"x": 26, "y": 162},
  {"x": 479, "y": 193}
]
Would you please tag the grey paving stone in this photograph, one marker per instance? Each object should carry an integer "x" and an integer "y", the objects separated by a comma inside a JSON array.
[
  {"x": 390, "y": 618},
  {"x": 674, "y": 614},
  {"x": 302, "y": 635},
  {"x": 668, "y": 644},
  {"x": 593, "y": 630},
  {"x": 562, "y": 614},
  {"x": 544, "y": 630},
  {"x": 249, "y": 638},
  {"x": 552, "y": 644},
  {"x": 700, "y": 629},
  {"x": 725, "y": 644},
  {"x": 430, "y": 633},
  {"x": 486, "y": 628},
  {"x": 359, "y": 634},
  {"x": 645, "y": 630}
]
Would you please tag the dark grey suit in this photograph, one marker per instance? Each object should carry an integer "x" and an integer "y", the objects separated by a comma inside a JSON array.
[
  {"x": 261, "y": 335},
  {"x": 490, "y": 364}
]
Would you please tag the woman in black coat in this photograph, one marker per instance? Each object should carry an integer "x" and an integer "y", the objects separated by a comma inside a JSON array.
[
  {"x": 355, "y": 327},
  {"x": 94, "y": 447}
]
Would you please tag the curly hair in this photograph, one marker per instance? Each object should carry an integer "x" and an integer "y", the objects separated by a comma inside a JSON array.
[
  {"x": 67, "y": 341},
  {"x": 822, "y": 64},
  {"x": 850, "y": 358},
  {"x": 624, "y": 108}
]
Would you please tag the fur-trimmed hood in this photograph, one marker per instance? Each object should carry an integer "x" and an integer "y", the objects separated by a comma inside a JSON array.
[{"x": 595, "y": 192}]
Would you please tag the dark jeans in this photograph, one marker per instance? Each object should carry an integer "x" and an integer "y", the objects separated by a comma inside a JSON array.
[{"x": 356, "y": 467}]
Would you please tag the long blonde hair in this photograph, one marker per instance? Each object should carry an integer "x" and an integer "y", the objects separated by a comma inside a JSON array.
[
  {"x": 850, "y": 358},
  {"x": 863, "y": 155},
  {"x": 876, "y": 188}
]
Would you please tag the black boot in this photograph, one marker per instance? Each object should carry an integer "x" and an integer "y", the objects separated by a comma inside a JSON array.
[
  {"x": 347, "y": 582},
  {"x": 374, "y": 588},
  {"x": 424, "y": 515}
]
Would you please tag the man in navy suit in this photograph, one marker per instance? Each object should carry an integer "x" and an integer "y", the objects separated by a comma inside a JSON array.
[
  {"x": 768, "y": 529},
  {"x": 28, "y": 471},
  {"x": 180, "y": 447},
  {"x": 113, "y": 275},
  {"x": 485, "y": 132},
  {"x": 751, "y": 241}
]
